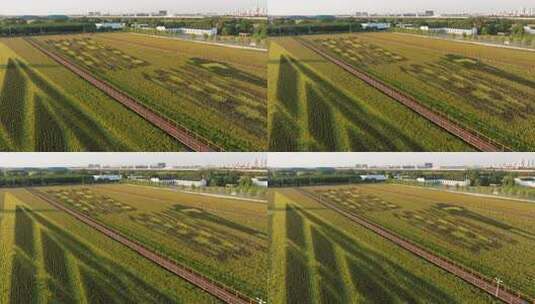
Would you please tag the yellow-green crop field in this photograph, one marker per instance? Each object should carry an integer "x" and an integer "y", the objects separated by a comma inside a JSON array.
[
  {"x": 217, "y": 92},
  {"x": 490, "y": 235},
  {"x": 320, "y": 256},
  {"x": 47, "y": 256},
  {"x": 489, "y": 89},
  {"x": 45, "y": 107},
  {"x": 224, "y": 239},
  {"x": 317, "y": 106}
]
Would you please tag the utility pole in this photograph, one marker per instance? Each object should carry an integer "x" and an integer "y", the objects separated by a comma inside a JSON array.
[{"x": 498, "y": 282}]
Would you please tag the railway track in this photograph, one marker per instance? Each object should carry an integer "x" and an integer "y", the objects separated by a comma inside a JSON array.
[
  {"x": 471, "y": 137},
  {"x": 505, "y": 294},
  {"x": 222, "y": 292},
  {"x": 190, "y": 139}
]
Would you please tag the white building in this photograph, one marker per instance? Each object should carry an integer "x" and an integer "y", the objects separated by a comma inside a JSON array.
[
  {"x": 110, "y": 25},
  {"x": 529, "y": 29},
  {"x": 450, "y": 30},
  {"x": 373, "y": 177},
  {"x": 375, "y": 25},
  {"x": 444, "y": 182},
  {"x": 193, "y": 31},
  {"x": 260, "y": 181},
  {"x": 525, "y": 181},
  {"x": 191, "y": 183},
  {"x": 107, "y": 177},
  {"x": 180, "y": 182}
]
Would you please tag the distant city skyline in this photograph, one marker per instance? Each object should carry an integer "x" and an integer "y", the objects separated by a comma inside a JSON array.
[
  {"x": 314, "y": 160},
  {"x": 76, "y": 7},
  {"x": 18, "y": 160},
  {"x": 349, "y": 7}
]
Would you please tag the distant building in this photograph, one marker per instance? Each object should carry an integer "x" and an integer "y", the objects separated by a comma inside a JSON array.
[
  {"x": 191, "y": 183},
  {"x": 373, "y": 177},
  {"x": 525, "y": 181},
  {"x": 179, "y": 182},
  {"x": 260, "y": 181},
  {"x": 193, "y": 31},
  {"x": 445, "y": 182},
  {"x": 375, "y": 25},
  {"x": 429, "y": 13},
  {"x": 450, "y": 30},
  {"x": 110, "y": 25},
  {"x": 107, "y": 177},
  {"x": 530, "y": 29}
]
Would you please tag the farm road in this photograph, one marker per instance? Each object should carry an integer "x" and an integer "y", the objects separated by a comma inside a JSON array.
[
  {"x": 504, "y": 294},
  {"x": 216, "y": 289},
  {"x": 190, "y": 139},
  {"x": 471, "y": 137}
]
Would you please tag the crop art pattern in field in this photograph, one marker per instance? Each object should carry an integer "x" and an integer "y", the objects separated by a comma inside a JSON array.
[
  {"x": 224, "y": 240},
  {"x": 87, "y": 202},
  {"x": 96, "y": 55},
  {"x": 487, "y": 89},
  {"x": 216, "y": 92},
  {"x": 52, "y": 265},
  {"x": 487, "y": 235},
  {"x": 323, "y": 260},
  {"x": 317, "y": 107}
]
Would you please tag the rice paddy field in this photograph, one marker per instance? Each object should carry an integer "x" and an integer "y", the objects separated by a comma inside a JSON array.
[
  {"x": 224, "y": 239},
  {"x": 489, "y": 89},
  {"x": 47, "y": 256},
  {"x": 317, "y": 106},
  {"x": 489, "y": 235},
  {"x": 216, "y": 92},
  {"x": 320, "y": 256},
  {"x": 45, "y": 107}
]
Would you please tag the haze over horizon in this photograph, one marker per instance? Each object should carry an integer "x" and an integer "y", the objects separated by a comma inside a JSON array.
[
  {"x": 349, "y": 159},
  {"x": 75, "y": 7},
  {"x": 339, "y": 7},
  {"x": 17, "y": 160}
]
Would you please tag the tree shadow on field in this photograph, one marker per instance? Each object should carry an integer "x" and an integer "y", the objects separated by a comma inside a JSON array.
[
  {"x": 117, "y": 279},
  {"x": 376, "y": 276},
  {"x": 90, "y": 133},
  {"x": 360, "y": 118},
  {"x": 13, "y": 102}
]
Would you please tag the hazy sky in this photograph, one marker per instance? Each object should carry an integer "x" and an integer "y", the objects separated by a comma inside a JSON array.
[
  {"x": 351, "y": 159},
  {"x": 83, "y": 159},
  {"x": 45, "y": 7},
  {"x": 318, "y": 7}
]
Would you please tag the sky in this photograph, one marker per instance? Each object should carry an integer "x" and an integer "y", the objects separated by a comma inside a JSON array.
[
  {"x": 84, "y": 159},
  {"x": 47, "y": 7},
  {"x": 320, "y": 7},
  {"x": 281, "y": 160}
]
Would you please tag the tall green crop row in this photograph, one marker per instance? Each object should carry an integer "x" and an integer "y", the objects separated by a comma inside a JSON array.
[
  {"x": 24, "y": 236},
  {"x": 23, "y": 280},
  {"x": 49, "y": 135},
  {"x": 320, "y": 120},
  {"x": 13, "y": 97}
]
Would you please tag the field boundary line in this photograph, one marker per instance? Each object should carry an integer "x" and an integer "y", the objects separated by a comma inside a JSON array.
[
  {"x": 222, "y": 292},
  {"x": 501, "y": 46},
  {"x": 187, "y": 137},
  {"x": 472, "y": 194},
  {"x": 249, "y": 48},
  {"x": 478, "y": 280},
  {"x": 202, "y": 193},
  {"x": 471, "y": 137}
]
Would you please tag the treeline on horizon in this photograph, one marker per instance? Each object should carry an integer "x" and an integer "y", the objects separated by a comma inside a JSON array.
[
  {"x": 328, "y": 176},
  {"x": 285, "y": 26},
  {"x": 58, "y": 176},
  {"x": 28, "y": 25}
]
